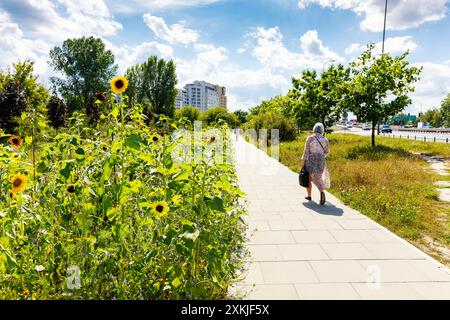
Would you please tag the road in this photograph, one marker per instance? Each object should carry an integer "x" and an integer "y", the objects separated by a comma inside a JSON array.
[{"x": 422, "y": 136}]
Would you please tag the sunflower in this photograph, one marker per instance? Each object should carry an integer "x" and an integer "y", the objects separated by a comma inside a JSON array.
[
  {"x": 155, "y": 139},
  {"x": 119, "y": 85},
  {"x": 19, "y": 183},
  {"x": 25, "y": 293},
  {"x": 160, "y": 209},
  {"x": 15, "y": 141}
]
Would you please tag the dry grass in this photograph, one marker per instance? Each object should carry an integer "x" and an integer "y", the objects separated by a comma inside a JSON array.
[{"x": 388, "y": 184}]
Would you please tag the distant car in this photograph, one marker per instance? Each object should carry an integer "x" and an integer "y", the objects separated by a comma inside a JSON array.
[
  {"x": 349, "y": 126},
  {"x": 386, "y": 129},
  {"x": 366, "y": 127}
]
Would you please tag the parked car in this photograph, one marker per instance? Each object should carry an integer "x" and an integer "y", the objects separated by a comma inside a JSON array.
[
  {"x": 349, "y": 126},
  {"x": 366, "y": 127},
  {"x": 386, "y": 129}
]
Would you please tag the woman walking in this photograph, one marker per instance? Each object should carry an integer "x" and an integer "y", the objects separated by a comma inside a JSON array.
[{"x": 316, "y": 149}]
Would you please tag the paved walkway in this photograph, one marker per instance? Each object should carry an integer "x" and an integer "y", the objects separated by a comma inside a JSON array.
[{"x": 302, "y": 250}]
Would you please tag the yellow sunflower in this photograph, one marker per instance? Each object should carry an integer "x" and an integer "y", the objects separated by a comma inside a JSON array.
[
  {"x": 19, "y": 183},
  {"x": 160, "y": 209},
  {"x": 15, "y": 141},
  {"x": 119, "y": 85}
]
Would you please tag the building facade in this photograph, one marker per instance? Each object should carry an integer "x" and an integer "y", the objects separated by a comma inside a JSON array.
[{"x": 202, "y": 95}]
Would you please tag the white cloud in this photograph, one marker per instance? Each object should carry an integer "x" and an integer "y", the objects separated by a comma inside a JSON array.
[
  {"x": 402, "y": 14},
  {"x": 14, "y": 46},
  {"x": 212, "y": 64},
  {"x": 137, "y": 5},
  {"x": 433, "y": 86},
  {"x": 272, "y": 53},
  {"x": 58, "y": 20},
  {"x": 127, "y": 56},
  {"x": 174, "y": 33},
  {"x": 392, "y": 45}
]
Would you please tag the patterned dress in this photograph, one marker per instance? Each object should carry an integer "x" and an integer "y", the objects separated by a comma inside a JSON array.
[{"x": 314, "y": 156}]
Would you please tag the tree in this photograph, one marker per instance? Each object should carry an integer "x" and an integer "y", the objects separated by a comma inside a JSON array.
[
  {"x": 57, "y": 112},
  {"x": 319, "y": 98},
  {"x": 445, "y": 110},
  {"x": 214, "y": 115},
  {"x": 153, "y": 82},
  {"x": 190, "y": 113},
  {"x": 279, "y": 104},
  {"x": 273, "y": 120},
  {"x": 86, "y": 67},
  {"x": 242, "y": 116},
  {"x": 35, "y": 93},
  {"x": 380, "y": 86},
  {"x": 12, "y": 104}
]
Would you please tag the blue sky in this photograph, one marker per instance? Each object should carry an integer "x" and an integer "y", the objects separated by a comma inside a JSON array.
[{"x": 253, "y": 47}]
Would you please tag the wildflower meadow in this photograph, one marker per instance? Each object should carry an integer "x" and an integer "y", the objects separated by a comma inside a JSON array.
[{"x": 108, "y": 211}]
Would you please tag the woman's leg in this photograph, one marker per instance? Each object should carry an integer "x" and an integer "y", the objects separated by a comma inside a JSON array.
[{"x": 309, "y": 189}]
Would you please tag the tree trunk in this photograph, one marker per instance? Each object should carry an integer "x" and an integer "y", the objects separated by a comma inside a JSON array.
[{"x": 373, "y": 133}]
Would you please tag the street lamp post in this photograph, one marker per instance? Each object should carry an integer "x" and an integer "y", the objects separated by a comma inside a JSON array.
[
  {"x": 384, "y": 26},
  {"x": 382, "y": 46}
]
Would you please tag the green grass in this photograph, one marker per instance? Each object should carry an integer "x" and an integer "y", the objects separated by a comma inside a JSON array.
[{"x": 387, "y": 183}]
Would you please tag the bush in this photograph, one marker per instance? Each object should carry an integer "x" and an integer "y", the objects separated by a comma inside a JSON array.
[
  {"x": 12, "y": 104},
  {"x": 190, "y": 113},
  {"x": 215, "y": 115},
  {"x": 57, "y": 112},
  {"x": 269, "y": 121}
]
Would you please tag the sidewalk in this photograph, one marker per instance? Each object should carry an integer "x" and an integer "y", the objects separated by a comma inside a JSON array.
[{"x": 302, "y": 250}]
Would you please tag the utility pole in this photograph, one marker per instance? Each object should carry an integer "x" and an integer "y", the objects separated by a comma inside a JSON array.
[
  {"x": 384, "y": 26},
  {"x": 382, "y": 46}
]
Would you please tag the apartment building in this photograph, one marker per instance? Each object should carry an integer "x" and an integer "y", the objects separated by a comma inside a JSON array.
[{"x": 202, "y": 95}]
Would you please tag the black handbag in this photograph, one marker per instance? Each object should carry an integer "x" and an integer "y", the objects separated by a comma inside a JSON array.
[{"x": 303, "y": 178}]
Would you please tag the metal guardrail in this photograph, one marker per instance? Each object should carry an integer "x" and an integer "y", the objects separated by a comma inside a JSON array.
[
  {"x": 430, "y": 130},
  {"x": 416, "y": 138}
]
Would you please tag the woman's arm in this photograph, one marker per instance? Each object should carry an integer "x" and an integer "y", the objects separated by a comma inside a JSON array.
[
  {"x": 326, "y": 147},
  {"x": 305, "y": 151}
]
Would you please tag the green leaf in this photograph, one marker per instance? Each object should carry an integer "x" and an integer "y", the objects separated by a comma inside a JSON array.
[
  {"x": 216, "y": 204},
  {"x": 80, "y": 151},
  {"x": 183, "y": 176},
  {"x": 112, "y": 214},
  {"x": 67, "y": 170},
  {"x": 176, "y": 282},
  {"x": 134, "y": 141}
]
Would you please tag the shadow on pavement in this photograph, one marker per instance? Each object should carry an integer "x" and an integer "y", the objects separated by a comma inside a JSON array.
[{"x": 328, "y": 209}]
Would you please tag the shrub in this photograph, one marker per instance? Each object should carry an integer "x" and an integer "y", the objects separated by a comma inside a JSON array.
[
  {"x": 57, "y": 112},
  {"x": 269, "y": 121},
  {"x": 12, "y": 104},
  {"x": 215, "y": 115},
  {"x": 190, "y": 113}
]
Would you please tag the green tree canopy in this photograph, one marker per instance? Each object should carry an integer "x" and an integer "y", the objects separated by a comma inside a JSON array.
[
  {"x": 189, "y": 112},
  {"x": 445, "y": 111},
  {"x": 319, "y": 98},
  {"x": 242, "y": 116},
  {"x": 86, "y": 67},
  {"x": 35, "y": 93},
  {"x": 279, "y": 104},
  {"x": 214, "y": 115},
  {"x": 153, "y": 83},
  {"x": 380, "y": 86}
]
